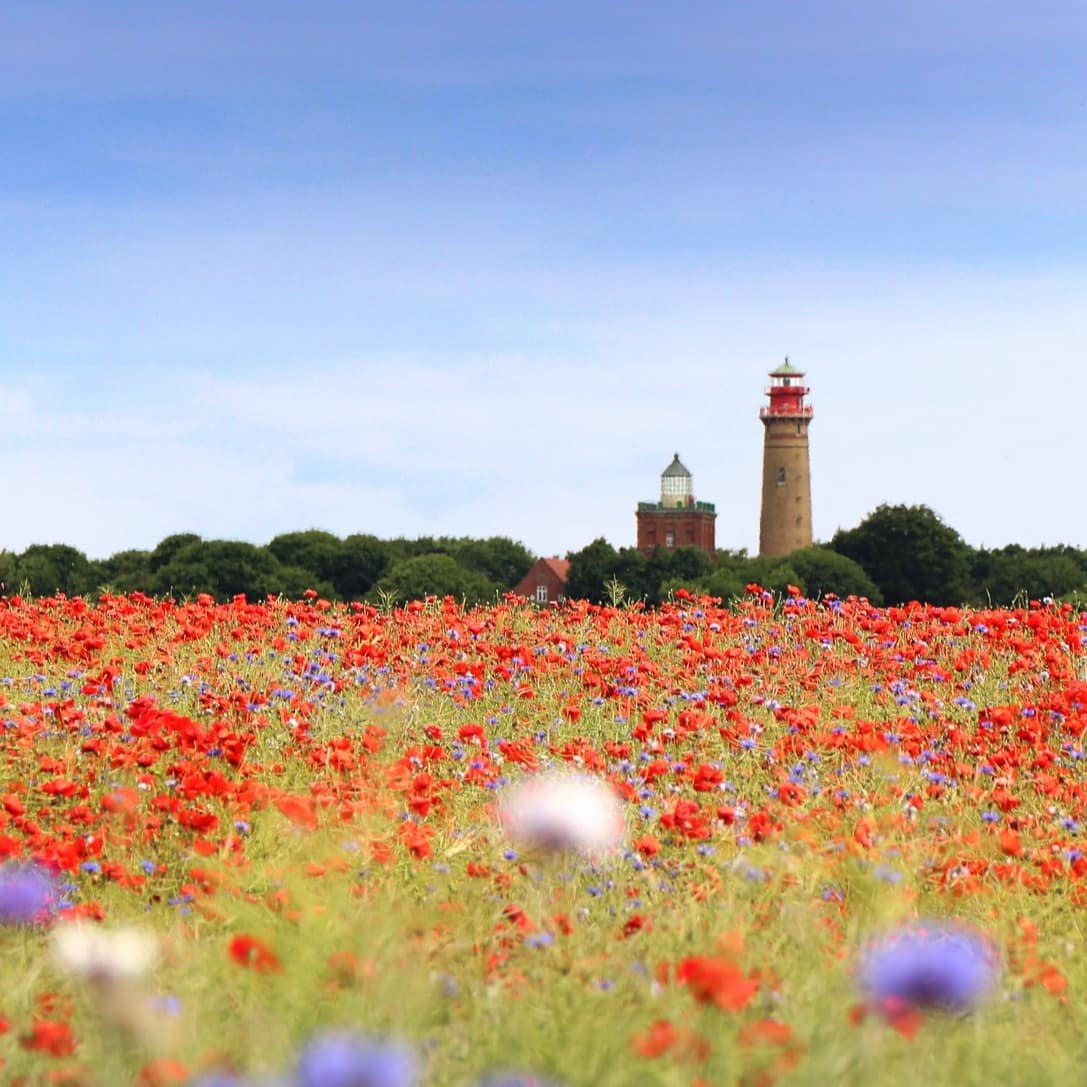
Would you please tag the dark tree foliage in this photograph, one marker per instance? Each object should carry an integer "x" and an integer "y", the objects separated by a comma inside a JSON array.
[
  {"x": 435, "y": 574},
  {"x": 599, "y": 572},
  {"x": 896, "y": 554},
  {"x": 669, "y": 570},
  {"x": 185, "y": 564},
  {"x": 1006, "y": 575},
  {"x": 500, "y": 559},
  {"x": 726, "y": 582},
  {"x": 9, "y": 572},
  {"x": 360, "y": 561},
  {"x": 313, "y": 550},
  {"x": 821, "y": 571},
  {"x": 733, "y": 571},
  {"x": 631, "y": 578},
  {"x": 124, "y": 572},
  {"x": 167, "y": 548},
  {"x": 910, "y": 554},
  {"x": 225, "y": 568},
  {"x": 590, "y": 569},
  {"x": 54, "y": 568},
  {"x": 775, "y": 573}
]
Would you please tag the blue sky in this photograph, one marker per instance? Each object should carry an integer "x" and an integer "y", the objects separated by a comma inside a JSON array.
[{"x": 481, "y": 268}]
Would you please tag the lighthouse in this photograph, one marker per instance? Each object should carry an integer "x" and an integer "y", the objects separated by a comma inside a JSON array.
[
  {"x": 678, "y": 519},
  {"x": 785, "y": 524}
]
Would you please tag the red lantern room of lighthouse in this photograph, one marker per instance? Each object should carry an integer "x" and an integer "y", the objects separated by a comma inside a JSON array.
[{"x": 787, "y": 392}]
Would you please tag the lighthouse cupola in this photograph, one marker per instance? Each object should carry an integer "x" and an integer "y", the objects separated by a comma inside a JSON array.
[
  {"x": 787, "y": 391},
  {"x": 677, "y": 485}
]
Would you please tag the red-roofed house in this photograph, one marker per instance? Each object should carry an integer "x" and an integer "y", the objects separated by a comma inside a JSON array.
[{"x": 545, "y": 582}]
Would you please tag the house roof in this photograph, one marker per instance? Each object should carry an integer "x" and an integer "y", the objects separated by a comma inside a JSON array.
[
  {"x": 556, "y": 567},
  {"x": 561, "y": 567}
]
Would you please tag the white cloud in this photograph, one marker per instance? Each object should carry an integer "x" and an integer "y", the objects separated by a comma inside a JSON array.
[{"x": 957, "y": 391}]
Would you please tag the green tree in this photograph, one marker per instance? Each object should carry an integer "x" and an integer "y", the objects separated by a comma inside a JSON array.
[
  {"x": 9, "y": 573},
  {"x": 360, "y": 561},
  {"x": 910, "y": 553},
  {"x": 293, "y": 581},
  {"x": 222, "y": 568},
  {"x": 725, "y": 582},
  {"x": 124, "y": 572},
  {"x": 53, "y": 568},
  {"x": 313, "y": 550},
  {"x": 690, "y": 563},
  {"x": 435, "y": 574},
  {"x": 683, "y": 568},
  {"x": 498, "y": 558},
  {"x": 773, "y": 572},
  {"x": 590, "y": 570},
  {"x": 167, "y": 548},
  {"x": 1004, "y": 575},
  {"x": 632, "y": 571},
  {"x": 823, "y": 571}
]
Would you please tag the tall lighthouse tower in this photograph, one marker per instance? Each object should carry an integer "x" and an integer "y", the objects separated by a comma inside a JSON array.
[{"x": 785, "y": 524}]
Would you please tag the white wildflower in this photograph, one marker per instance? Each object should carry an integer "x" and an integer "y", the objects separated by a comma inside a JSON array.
[
  {"x": 104, "y": 955},
  {"x": 561, "y": 811}
]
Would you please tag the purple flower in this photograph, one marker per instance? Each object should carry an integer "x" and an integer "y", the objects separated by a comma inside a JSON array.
[
  {"x": 341, "y": 1059},
  {"x": 929, "y": 964},
  {"x": 28, "y": 894}
]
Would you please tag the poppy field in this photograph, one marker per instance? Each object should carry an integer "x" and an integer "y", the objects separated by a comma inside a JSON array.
[{"x": 304, "y": 844}]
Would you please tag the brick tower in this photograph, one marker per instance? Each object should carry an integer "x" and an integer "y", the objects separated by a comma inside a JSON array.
[
  {"x": 785, "y": 524},
  {"x": 677, "y": 520}
]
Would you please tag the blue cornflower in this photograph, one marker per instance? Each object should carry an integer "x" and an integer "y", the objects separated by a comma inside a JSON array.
[
  {"x": 28, "y": 894},
  {"x": 929, "y": 964},
  {"x": 342, "y": 1059}
]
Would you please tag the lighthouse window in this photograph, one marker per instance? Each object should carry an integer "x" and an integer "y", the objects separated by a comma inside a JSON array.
[{"x": 781, "y": 475}]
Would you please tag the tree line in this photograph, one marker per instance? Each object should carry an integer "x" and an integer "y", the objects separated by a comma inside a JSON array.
[
  {"x": 358, "y": 567},
  {"x": 897, "y": 553}
]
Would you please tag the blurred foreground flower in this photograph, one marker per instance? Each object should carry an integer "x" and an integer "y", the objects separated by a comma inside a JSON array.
[
  {"x": 104, "y": 955},
  {"x": 28, "y": 894},
  {"x": 115, "y": 961},
  {"x": 928, "y": 964},
  {"x": 228, "y": 1079},
  {"x": 554, "y": 812},
  {"x": 341, "y": 1059},
  {"x": 517, "y": 1079}
]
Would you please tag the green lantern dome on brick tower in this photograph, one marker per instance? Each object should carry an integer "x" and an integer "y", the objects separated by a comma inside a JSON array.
[{"x": 677, "y": 485}]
